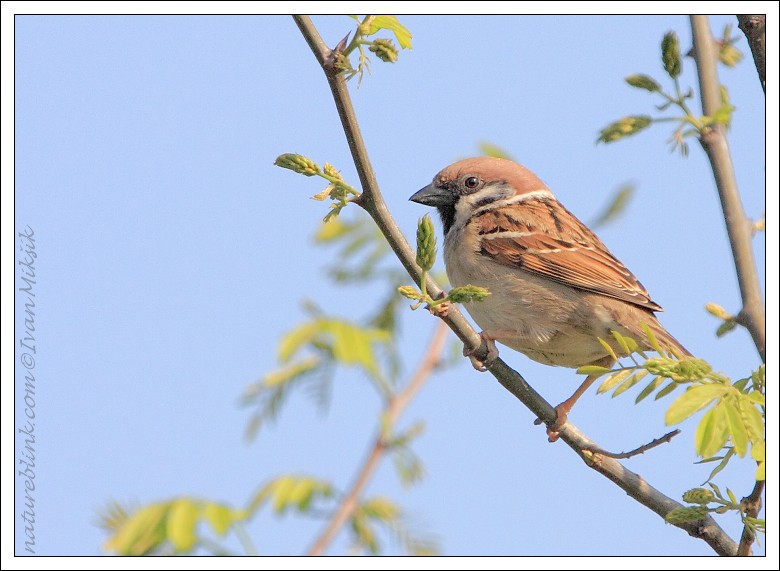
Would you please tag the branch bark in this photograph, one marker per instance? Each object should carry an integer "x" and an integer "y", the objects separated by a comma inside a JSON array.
[
  {"x": 738, "y": 226},
  {"x": 372, "y": 201},
  {"x": 752, "y": 505},
  {"x": 754, "y": 28},
  {"x": 395, "y": 408}
]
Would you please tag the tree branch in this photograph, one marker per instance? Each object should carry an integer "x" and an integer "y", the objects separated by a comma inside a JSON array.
[
  {"x": 738, "y": 226},
  {"x": 752, "y": 505},
  {"x": 754, "y": 28},
  {"x": 372, "y": 201},
  {"x": 395, "y": 407}
]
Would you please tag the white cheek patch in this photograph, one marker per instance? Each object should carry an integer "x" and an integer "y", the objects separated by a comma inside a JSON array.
[{"x": 484, "y": 199}]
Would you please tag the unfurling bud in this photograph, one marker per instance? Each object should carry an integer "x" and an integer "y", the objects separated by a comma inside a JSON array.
[
  {"x": 325, "y": 193},
  {"x": 698, "y": 496},
  {"x": 729, "y": 55},
  {"x": 467, "y": 294},
  {"x": 687, "y": 370},
  {"x": 331, "y": 171},
  {"x": 683, "y": 515},
  {"x": 426, "y": 243},
  {"x": 643, "y": 82},
  {"x": 409, "y": 292},
  {"x": 670, "y": 54},
  {"x": 384, "y": 50},
  {"x": 297, "y": 163},
  {"x": 624, "y": 127},
  {"x": 725, "y": 327},
  {"x": 717, "y": 311}
]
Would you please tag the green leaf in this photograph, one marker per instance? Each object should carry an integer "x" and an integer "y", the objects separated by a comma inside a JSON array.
[
  {"x": 761, "y": 472},
  {"x": 751, "y": 418},
  {"x": 630, "y": 382},
  {"x": 403, "y": 35},
  {"x": 380, "y": 508},
  {"x": 144, "y": 531},
  {"x": 758, "y": 451},
  {"x": 651, "y": 338},
  {"x": 712, "y": 432},
  {"x": 491, "y": 150},
  {"x": 591, "y": 370},
  {"x": 281, "y": 493},
  {"x": 736, "y": 427},
  {"x": 180, "y": 526},
  {"x": 364, "y": 536},
  {"x": 613, "y": 380},
  {"x": 300, "y": 494},
  {"x": 723, "y": 461},
  {"x": 628, "y": 345},
  {"x": 651, "y": 386},
  {"x": 608, "y": 348},
  {"x": 692, "y": 401},
  {"x": 352, "y": 344},
  {"x": 296, "y": 338},
  {"x": 285, "y": 374},
  {"x": 666, "y": 390},
  {"x": 616, "y": 206},
  {"x": 219, "y": 517}
]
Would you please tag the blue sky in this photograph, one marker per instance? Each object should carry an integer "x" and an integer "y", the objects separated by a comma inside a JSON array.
[{"x": 172, "y": 255}]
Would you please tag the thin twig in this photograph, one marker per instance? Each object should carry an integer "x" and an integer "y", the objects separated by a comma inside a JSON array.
[
  {"x": 633, "y": 484},
  {"x": 738, "y": 226},
  {"x": 637, "y": 451},
  {"x": 754, "y": 28},
  {"x": 752, "y": 505},
  {"x": 396, "y": 405}
]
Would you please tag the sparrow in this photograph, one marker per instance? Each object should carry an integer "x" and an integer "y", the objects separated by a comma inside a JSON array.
[{"x": 555, "y": 288}]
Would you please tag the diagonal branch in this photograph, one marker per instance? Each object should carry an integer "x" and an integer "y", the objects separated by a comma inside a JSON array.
[
  {"x": 738, "y": 226},
  {"x": 633, "y": 484},
  {"x": 396, "y": 405},
  {"x": 754, "y": 28}
]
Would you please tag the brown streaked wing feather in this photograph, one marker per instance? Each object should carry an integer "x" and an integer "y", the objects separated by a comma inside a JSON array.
[{"x": 556, "y": 245}]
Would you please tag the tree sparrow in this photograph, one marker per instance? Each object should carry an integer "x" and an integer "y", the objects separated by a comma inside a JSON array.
[{"x": 555, "y": 288}]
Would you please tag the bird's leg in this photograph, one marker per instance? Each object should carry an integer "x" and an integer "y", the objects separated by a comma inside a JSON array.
[
  {"x": 563, "y": 409},
  {"x": 492, "y": 353}
]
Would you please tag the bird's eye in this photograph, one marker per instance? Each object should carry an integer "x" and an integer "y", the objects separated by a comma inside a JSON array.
[{"x": 471, "y": 182}]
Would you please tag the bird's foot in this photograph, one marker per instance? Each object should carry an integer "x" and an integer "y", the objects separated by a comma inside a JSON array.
[
  {"x": 492, "y": 353},
  {"x": 554, "y": 428}
]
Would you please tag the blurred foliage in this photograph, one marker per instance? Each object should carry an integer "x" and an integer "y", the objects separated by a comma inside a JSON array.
[
  {"x": 311, "y": 355},
  {"x": 616, "y": 206}
]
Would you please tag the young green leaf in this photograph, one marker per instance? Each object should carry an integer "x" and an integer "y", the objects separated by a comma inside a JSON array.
[
  {"x": 220, "y": 517},
  {"x": 613, "y": 380},
  {"x": 180, "y": 525},
  {"x": 651, "y": 386},
  {"x": 630, "y": 382},
  {"x": 712, "y": 432},
  {"x": 402, "y": 34},
  {"x": 692, "y": 401}
]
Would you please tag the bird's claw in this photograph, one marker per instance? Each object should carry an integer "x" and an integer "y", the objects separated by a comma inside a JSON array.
[
  {"x": 554, "y": 428},
  {"x": 492, "y": 353}
]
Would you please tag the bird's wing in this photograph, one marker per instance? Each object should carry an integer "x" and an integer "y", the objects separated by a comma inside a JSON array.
[{"x": 543, "y": 238}]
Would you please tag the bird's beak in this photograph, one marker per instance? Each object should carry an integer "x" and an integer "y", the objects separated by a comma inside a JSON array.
[{"x": 433, "y": 196}]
